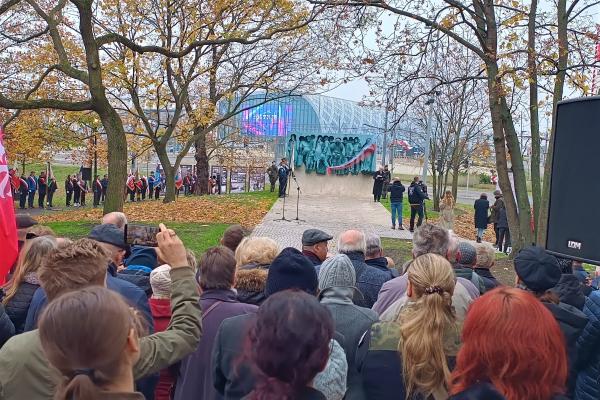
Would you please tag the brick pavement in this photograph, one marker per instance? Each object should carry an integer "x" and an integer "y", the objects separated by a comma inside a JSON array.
[{"x": 330, "y": 214}]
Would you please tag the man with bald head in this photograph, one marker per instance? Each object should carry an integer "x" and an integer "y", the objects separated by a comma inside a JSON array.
[
  {"x": 368, "y": 279},
  {"x": 116, "y": 218}
]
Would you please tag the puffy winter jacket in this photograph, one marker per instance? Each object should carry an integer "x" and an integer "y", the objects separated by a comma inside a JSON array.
[
  {"x": 588, "y": 380},
  {"x": 7, "y": 329},
  {"x": 18, "y": 306},
  {"x": 569, "y": 291}
]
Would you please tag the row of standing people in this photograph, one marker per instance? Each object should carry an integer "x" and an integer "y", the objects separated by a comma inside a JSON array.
[{"x": 27, "y": 188}]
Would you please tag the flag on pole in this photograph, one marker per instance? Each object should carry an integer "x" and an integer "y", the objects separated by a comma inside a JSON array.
[
  {"x": 8, "y": 224},
  {"x": 178, "y": 179},
  {"x": 157, "y": 177}
]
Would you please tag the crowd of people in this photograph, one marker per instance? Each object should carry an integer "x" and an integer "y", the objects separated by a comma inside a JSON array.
[{"x": 97, "y": 319}]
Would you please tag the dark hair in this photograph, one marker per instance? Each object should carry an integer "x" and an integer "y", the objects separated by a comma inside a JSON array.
[
  {"x": 233, "y": 236},
  {"x": 483, "y": 196},
  {"x": 217, "y": 268},
  {"x": 289, "y": 343},
  {"x": 84, "y": 334}
]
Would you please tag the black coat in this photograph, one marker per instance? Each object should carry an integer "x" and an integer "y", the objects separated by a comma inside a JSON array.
[
  {"x": 18, "y": 306},
  {"x": 502, "y": 218},
  {"x": 378, "y": 182},
  {"x": 396, "y": 190},
  {"x": 588, "y": 384},
  {"x": 416, "y": 195},
  {"x": 569, "y": 291},
  {"x": 7, "y": 329},
  {"x": 489, "y": 280},
  {"x": 481, "y": 213}
]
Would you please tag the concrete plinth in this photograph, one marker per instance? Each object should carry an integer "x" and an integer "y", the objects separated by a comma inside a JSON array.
[{"x": 357, "y": 186}]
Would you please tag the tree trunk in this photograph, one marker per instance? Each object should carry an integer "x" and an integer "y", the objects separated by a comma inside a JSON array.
[
  {"x": 455, "y": 174},
  {"x": 117, "y": 143},
  {"x": 534, "y": 121},
  {"x": 202, "y": 171},
  {"x": 169, "y": 184},
  {"x": 518, "y": 170},
  {"x": 501, "y": 156},
  {"x": 559, "y": 84}
]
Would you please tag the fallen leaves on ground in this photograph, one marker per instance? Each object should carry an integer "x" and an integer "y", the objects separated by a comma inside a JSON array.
[
  {"x": 205, "y": 209},
  {"x": 464, "y": 226}
]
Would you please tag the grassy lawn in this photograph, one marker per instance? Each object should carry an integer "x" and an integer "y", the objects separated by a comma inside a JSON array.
[{"x": 197, "y": 237}]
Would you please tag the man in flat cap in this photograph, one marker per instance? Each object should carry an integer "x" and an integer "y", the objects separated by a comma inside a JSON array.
[{"x": 314, "y": 245}]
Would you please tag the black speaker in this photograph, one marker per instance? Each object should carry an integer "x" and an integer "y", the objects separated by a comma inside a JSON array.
[
  {"x": 86, "y": 174},
  {"x": 574, "y": 215}
]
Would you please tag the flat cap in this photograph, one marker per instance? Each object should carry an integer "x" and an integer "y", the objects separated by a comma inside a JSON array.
[
  {"x": 109, "y": 233},
  {"x": 313, "y": 236},
  {"x": 538, "y": 270}
]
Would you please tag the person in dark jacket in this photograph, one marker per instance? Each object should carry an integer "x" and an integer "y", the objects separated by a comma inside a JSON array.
[
  {"x": 375, "y": 257},
  {"x": 272, "y": 173},
  {"x": 69, "y": 190},
  {"x": 315, "y": 245},
  {"x": 482, "y": 206},
  {"x": 32, "y": 183},
  {"x": 568, "y": 289},
  {"x": 76, "y": 191},
  {"x": 464, "y": 267},
  {"x": 396, "y": 190},
  {"x": 416, "y": 197},
  {"x": 289, "y": 361},
  {"x": 42, "y": 189},
  {"x": 368, "y": 279},
  {"x": 337, "y": 289},
  {"x": 503, "y": 230},
  {"x": 218, "y": 302},
  {"x": 378, "y": 179},
  {"x": 515, "y": 320},
  {"x": 97, "y": 189},
  {"x": 7, "y": 329},
  {"x": 18, "y": 292},
  {"x": 588, "y": 385},
  {"x": 138, "y": 267},
  {"x": 282, "y": 172},
  {"x": 52, "y": 187},
  {"x": 253, "y": 257},
  {"x": 234, "y": 378},
  {"x": 425, "y": 337},
  {"x": 387, "y": 178},
  {"x": 104, "y": 183},
  {"x": 23, "y": 191},
  {"x": 494, "y": 209},
  {"x": 538, "y": 272},
  {"x": 486, "y": 258}
]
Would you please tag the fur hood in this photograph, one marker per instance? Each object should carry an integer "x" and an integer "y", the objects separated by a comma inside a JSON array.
[{"x": 251, "y": 280}]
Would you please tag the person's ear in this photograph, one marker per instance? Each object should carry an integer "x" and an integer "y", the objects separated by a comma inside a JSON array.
[
  {"x": 409, "y": 289},
  {"x": 133, "y": 345}
]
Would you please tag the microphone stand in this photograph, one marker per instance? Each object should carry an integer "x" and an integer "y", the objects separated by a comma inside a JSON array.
[
  {"x": 297, "y": 200},
  {"x": 283, "y": 218}
]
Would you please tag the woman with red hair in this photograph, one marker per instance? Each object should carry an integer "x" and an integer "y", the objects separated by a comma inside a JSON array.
[{"x": 512, "y": 349}]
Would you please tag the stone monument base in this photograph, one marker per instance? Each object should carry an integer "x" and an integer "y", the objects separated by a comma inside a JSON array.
[{"x": 357, "y": 186}]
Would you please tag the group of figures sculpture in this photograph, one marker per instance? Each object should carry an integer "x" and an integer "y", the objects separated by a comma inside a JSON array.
[{"x": 318, "y": 153}]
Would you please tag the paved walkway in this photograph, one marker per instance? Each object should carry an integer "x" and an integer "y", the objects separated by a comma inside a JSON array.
[{"x": 330, "y": 214}]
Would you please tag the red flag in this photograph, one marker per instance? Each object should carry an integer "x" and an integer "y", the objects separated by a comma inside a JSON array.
[{"x": 8, "y": 224}]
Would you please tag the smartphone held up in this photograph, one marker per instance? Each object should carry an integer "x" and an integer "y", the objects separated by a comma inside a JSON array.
[{"x": 141, "y": 235}]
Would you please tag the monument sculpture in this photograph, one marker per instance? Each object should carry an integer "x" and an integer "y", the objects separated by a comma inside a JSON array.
[{"x": 328, "y": 154}]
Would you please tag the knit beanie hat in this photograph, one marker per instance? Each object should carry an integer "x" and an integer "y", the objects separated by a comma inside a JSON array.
[
  {"x": 468, "y": 253},
  {"x": 337, "y": 271},
  {"x": 291, "y": 270},
  {"x": 160, "y": 281},
  {"x": 538, "y": 270}
]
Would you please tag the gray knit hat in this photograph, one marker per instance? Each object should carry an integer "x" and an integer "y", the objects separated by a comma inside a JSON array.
[
  {"x": 468, "y": 253},
  {"x": 160, "y": 281},
  {"x": 337, "y": 271}
]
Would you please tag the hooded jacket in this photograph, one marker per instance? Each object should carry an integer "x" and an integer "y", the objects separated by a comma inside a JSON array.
[
  {"x": 250, "y": 283},
  {"x": 352, "y": 322},
  {"x": 467, "y": 272},
  {"x": 569, "y": 291},
  {"x": 588, "y": 357}
]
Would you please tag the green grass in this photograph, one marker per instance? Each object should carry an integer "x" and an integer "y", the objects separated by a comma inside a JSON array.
[
  {"x": 196, "y": 237},
  {"x": 399, "y": 250},
  {"x": 406, "y": 207}
]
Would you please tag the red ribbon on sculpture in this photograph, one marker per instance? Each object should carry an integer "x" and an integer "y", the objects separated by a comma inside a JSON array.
[{"x": 365, "y": 152}]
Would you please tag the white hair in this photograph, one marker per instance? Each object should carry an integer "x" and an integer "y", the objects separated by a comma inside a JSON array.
[
  {"x": 350, "y": 241},
  {"x": 373, "y": 242},
  {"x": 115, "y": 218}
]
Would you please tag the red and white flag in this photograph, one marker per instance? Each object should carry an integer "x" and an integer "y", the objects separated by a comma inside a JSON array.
[{"x": 8, "y": 224}]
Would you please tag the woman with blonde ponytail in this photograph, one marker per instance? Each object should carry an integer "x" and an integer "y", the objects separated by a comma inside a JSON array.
[{"x": 411, "y": 357}]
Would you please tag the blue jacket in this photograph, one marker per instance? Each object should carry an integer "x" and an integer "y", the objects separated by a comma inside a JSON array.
[
  {"x": 368, "y": 279},
  {"x": 133, "y": 294},
  {"x": 32, "y": 183},
  {"x": 588, "y": 344}
]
